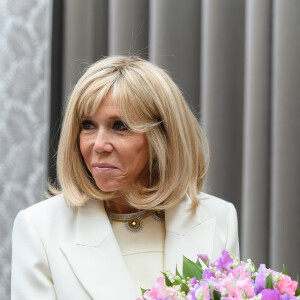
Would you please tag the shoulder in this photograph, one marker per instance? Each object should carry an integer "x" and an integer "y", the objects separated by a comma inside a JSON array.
[
  {"x": 213, "y": 207},
  {"x": 208, "y": 207},
  {"x": 50, "y": 213},
  {"x": 55, "y": 201},
  {"x": 54, "y": 204},
  {"x": 212, "y": 204}
]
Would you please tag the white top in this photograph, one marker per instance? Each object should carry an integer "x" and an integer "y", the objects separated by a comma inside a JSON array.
[{"x": 143, "y": 251}]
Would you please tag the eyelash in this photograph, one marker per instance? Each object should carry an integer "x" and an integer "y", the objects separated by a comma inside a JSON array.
[
  {"x": 85, "y": 124},
  {"x": 120, "y": 124},
  {"x": 117, "y": 125}
]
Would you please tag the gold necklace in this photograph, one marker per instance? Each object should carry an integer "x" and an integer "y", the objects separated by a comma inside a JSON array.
[{"x": 133, "y": 222}]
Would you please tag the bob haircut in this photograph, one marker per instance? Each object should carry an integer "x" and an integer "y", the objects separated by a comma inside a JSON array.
[{"x": 149, "y": 102}]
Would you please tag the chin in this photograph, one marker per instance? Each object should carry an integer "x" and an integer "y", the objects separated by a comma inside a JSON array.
[
  {"x": 108, "y": 187},
  {"x": 108, "y": 190}
]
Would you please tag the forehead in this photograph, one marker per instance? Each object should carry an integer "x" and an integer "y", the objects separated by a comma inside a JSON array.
[
  {"x": 108, "y": 106},
  {"x": 109, "y": 101},
  {"x": 91, "y": 106}
]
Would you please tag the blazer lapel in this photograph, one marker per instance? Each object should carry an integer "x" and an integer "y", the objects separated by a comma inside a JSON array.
[
  {"x": 188, "y": 234},
  {"x": 96, "y": 258}
]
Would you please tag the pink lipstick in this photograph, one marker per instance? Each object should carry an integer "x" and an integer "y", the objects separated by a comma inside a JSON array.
[{"x": 103, "y": 167}]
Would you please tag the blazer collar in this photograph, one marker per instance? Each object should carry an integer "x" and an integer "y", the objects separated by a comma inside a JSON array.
[
  {"x": 96, "y": 258},
  {"x": 187, "y": 233},
  {"x": 179, "y": 220}
]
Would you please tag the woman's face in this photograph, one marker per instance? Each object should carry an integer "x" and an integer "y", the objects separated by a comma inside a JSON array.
[{"x": 115, "y": 156}]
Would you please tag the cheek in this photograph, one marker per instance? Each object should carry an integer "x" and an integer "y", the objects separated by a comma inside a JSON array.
[
  {"x": 83, "y": 148},
  {"x": 144, "y": 154},
  {"x": 141, "y": 151}
]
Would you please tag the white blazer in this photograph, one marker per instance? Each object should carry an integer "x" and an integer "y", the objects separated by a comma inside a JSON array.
[{"x": 66, "y": 253}]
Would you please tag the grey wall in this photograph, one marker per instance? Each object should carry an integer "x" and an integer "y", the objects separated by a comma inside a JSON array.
[{"x": 24, "y": 101}]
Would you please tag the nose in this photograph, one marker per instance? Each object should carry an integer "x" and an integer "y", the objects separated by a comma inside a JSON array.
[{"x": 103, "y": 142}]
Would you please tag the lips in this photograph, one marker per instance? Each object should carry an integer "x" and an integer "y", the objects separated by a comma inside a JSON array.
[{"x": 103, "y": 167}]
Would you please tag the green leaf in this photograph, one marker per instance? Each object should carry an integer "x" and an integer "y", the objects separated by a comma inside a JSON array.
[
  {"x": 185, "y": 288},
  {"x": 198, "y": 262},
  {"x": 283, "y": 270},
  {"x": 144, "y": 291},
  {"x": 297, "y": 292},
  {"x": 177, "y": 281},
  {"x": 216, "y": 295},
  {"x": 256, "y": 270},
  {"x": 269, "y": 282},
  {"x": 177, "y": 273},
  {"x": 191, "y": 269},
  {"x": 167, "y": 280}
]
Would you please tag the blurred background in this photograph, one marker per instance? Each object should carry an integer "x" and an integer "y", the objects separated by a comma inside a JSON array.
[{"x": 237, "y": 63}]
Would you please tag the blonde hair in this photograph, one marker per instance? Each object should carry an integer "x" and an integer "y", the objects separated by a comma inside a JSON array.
[{"x": 149, "y": 102}]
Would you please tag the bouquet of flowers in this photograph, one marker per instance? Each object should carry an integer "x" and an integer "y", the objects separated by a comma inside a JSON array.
[{"x": 227, "y": 278}]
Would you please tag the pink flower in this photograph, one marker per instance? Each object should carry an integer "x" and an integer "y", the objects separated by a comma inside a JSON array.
[
  {"x": 160, "y": 291},
  {"x": 244, "y": 283},
  {"x": 203, "y": 292},
  {"x": 229, "y": 287},
  {"x": 228, "y": 284},
  {"x": 287, "y": 285},
  {"x": 235, "y": 272}
]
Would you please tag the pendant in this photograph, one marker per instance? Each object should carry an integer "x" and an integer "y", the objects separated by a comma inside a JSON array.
[{"x": 133, "y": 222}]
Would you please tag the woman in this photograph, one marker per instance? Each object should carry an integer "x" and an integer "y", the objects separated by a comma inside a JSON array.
[{"x": 131, "y": 164}]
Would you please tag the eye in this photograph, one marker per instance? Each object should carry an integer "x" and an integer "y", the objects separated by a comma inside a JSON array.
[
  {"x": 87, "y": 125},
  {"x": 119, "y": 126}
]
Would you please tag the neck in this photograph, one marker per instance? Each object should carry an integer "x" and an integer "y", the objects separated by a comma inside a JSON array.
[{"x": 119, "y": 206}]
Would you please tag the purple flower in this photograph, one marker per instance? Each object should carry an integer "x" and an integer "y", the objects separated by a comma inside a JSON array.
[
  {"x": 193, "y": 281},
  {"x": 269, "y": 294},
  {"x": 203, "y": 257},
  {"x": 224, "y": 262},
  {"x": 287, "y": 296},
  {"x": 212, "y": 281},
  {"x": 207, "y": 273},
  {"x": 260, "y": 280},
  {"x": 191, "y": 295}
]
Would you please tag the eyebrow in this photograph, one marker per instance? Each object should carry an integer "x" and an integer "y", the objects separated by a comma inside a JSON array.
[{"x": 113, "y": 117}]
